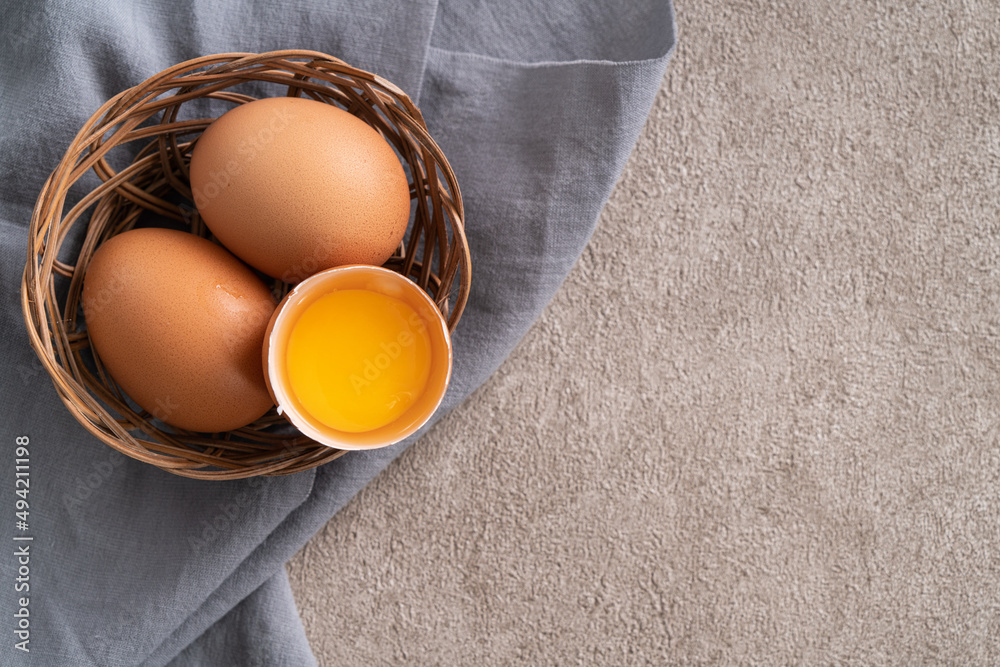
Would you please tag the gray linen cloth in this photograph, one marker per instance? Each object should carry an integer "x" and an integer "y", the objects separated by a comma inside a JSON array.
[{"x": 537, "y": 104}]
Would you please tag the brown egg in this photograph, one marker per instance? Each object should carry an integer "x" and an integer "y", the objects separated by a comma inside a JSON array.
[
  {"x": 179, "y": 323},
  {"x": 293, "y": 186}
]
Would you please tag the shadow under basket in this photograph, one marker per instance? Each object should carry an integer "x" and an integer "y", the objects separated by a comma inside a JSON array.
[{"x": 153, "y": 181}]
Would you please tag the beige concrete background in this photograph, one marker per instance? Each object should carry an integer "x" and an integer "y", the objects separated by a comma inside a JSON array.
[{"x": 759, "y": 423}]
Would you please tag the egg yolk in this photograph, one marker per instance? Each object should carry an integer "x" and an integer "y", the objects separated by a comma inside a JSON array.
[{"x": 357, "y": 360}]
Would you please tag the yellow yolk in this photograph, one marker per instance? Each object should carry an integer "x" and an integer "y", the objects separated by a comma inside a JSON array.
[{"x": 356, "y": 359}]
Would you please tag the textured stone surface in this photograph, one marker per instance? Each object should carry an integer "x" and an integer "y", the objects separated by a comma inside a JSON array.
[{"x": 759, "y": 423}]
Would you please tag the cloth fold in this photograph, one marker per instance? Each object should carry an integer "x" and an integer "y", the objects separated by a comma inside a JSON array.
[{"x": 537, "y": 106}]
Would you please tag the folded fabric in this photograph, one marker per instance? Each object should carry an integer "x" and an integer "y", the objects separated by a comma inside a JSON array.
[{"x": 537, "y": 106}]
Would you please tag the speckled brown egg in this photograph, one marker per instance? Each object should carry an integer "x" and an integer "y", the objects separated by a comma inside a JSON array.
[
  {"x": 179, "y": 322},
  {"x": 293, "y": 186}
]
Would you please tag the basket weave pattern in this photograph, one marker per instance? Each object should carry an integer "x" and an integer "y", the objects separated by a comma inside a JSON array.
[{"x": 434, "y": 254}]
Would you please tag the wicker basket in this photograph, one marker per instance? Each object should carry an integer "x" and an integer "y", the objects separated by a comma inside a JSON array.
[{"x": 435, "y": 253}]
